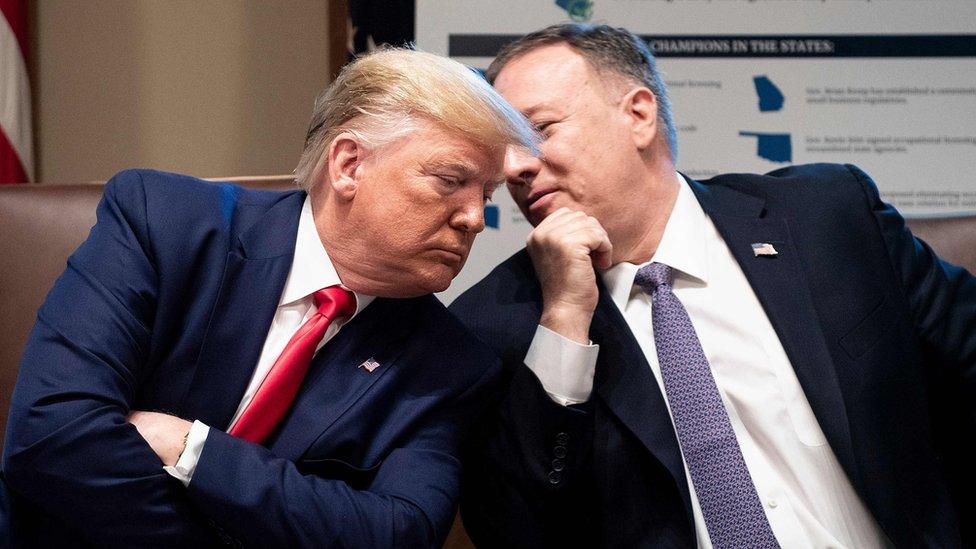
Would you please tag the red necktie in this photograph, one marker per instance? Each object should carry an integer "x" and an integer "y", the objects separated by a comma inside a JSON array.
[{"x": 280, "y": 386}]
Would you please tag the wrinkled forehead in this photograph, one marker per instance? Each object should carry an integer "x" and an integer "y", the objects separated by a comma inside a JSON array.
[
  {"x": 545, "y": 76},
  {"x": 478, "y": 164},
  {"x": 435, "y": 148}
]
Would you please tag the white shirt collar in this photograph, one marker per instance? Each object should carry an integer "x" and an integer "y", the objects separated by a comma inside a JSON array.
[
  {"x": 682, "y": 247},
  {"x": 311, "y": 269}
]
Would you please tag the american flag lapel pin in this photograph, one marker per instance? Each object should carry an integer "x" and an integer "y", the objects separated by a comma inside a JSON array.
[
  {"x": 370, "y": 364},
  {"x": 763, "y": 249}
]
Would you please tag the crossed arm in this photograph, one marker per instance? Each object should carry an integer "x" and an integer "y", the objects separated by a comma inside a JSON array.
[
  {"x": 78, "y": 452},
  {"x": 165, "y": 434}
]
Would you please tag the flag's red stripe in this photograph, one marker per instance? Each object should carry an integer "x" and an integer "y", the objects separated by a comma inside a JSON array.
[
  {"x": 11, "y": 167},
  {"x": 11, "y": 170},
  {"x": 15, "y": 12}
]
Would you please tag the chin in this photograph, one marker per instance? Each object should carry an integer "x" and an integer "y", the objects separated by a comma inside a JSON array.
[
  {"x": 439, "y": 284},
  {"x": 429, "y": 282},
  {"x": 439, "y": 277}
]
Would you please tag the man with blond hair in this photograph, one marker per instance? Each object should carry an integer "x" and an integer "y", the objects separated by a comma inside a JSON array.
[{"x": 270, "y": 369}]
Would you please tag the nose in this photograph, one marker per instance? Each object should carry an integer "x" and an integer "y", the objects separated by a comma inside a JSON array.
[
  {"x": 469, "y": 217},
  {"x": 521, "y": 166}
]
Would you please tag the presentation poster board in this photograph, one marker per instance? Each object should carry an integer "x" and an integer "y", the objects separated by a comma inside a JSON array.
[{"x": 888, "y": 85}]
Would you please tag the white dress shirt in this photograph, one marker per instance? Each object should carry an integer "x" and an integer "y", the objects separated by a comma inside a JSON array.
[
  {"x": 806, "y": 495},
  {"x": 310, "y": 271}
]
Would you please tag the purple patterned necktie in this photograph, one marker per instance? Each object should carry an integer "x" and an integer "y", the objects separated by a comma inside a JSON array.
[{"x": 728, "y": 499}]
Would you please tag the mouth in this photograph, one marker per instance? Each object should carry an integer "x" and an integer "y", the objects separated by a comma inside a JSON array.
[
  {"x": 448, "y": 255},
  {"x": 536, "y": 195},
  {"x": 537, "y": 202}
]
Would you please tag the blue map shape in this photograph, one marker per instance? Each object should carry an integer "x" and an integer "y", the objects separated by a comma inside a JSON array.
[
  {"x": 775, "y": 147},
  {"x": 578, "y": 10},
  {"x": 491, "y": 216},
  {"x": 770, "y": 97}
]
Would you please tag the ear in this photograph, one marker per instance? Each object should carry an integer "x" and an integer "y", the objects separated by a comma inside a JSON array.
[
  {"x": 346, "y": 156},
  {"x": 640, "y": 106}
]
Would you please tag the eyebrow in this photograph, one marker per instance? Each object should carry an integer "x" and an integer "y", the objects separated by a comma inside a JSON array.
[
  {"x": 535, "y": 109},
  {"x": 467, "y": 171},
  {"x": 464, "y": 169}
]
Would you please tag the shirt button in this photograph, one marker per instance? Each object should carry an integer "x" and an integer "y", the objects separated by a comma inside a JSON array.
[
  {"x": 554, "y": 477},
  {"x": 559, "y": 452},
  {"x": 562, "y": 439},
  {"x": 773, "y": 504}
]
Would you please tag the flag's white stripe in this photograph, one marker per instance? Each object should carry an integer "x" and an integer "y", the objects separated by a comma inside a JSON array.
[{"x": 15, "y": 112}]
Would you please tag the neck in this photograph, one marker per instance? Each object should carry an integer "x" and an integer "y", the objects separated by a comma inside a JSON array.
[
  {"x": 329, "y": 219},
  {"x": 359, "y": 268},
  {"x": 636, "y": 242}
]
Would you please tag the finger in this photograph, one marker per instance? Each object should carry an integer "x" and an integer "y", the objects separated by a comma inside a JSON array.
[
  {"x": 553, "y": 230},
  {"x": 560, "y": 218},
  {"x": 588, "y": 230},
  {"x": 603, "y": 255},
  {"x": 562, "y": 228},
  {"x": 583, "y": 235},
  {"x": 598, "y": 242}
]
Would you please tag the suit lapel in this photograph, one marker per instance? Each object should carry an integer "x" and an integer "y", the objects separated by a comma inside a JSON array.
[
  {"x": 624, "y": 381},
  {"x": 780, "y": 284},
  {"x": 336, "y": 382},
  {"x": 251, "y": 286}
]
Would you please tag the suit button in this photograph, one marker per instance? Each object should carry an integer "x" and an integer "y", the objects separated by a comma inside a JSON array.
[
  {"x": 554, "y": 477},
  {"x": 559, "y": 452},
  {"x": 558, "y": 465},
  {"x": 562, "y": 439}
]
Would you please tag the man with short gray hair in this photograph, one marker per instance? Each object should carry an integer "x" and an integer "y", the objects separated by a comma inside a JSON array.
[
  {"x": 749, "y": 361},
  {"x": 269, "y": 369}
]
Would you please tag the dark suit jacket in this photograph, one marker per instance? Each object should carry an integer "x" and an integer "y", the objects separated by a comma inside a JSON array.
[
  {"x": 166, "y": 307},
  {"x": 881, "y": 333}
]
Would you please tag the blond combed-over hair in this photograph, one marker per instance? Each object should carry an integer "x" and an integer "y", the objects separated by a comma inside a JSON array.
[{"x": 379, "y": 96}]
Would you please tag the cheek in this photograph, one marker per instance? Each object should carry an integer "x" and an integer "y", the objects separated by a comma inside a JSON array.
[
  {"x": 400, "y": 213},
  {"x": 569, "y": 154},
  {"x": 406, "y": 232}
]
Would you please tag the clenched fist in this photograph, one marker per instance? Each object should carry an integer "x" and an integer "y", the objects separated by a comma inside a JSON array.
[{"x": 565, "y": 247}]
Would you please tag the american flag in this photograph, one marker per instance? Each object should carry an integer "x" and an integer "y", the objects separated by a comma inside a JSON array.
[
  {"x": 16, "y": 139},
  {"x": 763, "y": 248},
  {"x": 370, "y": 364}
]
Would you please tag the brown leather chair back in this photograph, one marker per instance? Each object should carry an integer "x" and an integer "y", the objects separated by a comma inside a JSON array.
[
  {"x": 954, "y": 238},
  {"x": 40, "y": 225}
]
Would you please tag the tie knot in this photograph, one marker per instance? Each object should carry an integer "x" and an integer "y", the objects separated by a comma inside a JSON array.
[
  {"x": 651, "y": 276},
  {"x": 335, "y": 302}
]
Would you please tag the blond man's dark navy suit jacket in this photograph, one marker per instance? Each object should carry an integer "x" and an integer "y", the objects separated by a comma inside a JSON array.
[
  {"x": 166, "y": 307},
  {"x": 881, "y": 333}
]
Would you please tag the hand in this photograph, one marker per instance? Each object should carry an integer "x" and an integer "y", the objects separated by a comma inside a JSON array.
[
  {"x": 565, "y": 247},
  {"x": 165, "y": 434}
]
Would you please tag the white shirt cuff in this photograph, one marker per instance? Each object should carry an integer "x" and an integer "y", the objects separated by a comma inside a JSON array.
[
  {"x": 564, "y": 367},
  {"x": 183, "y": 470}
]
